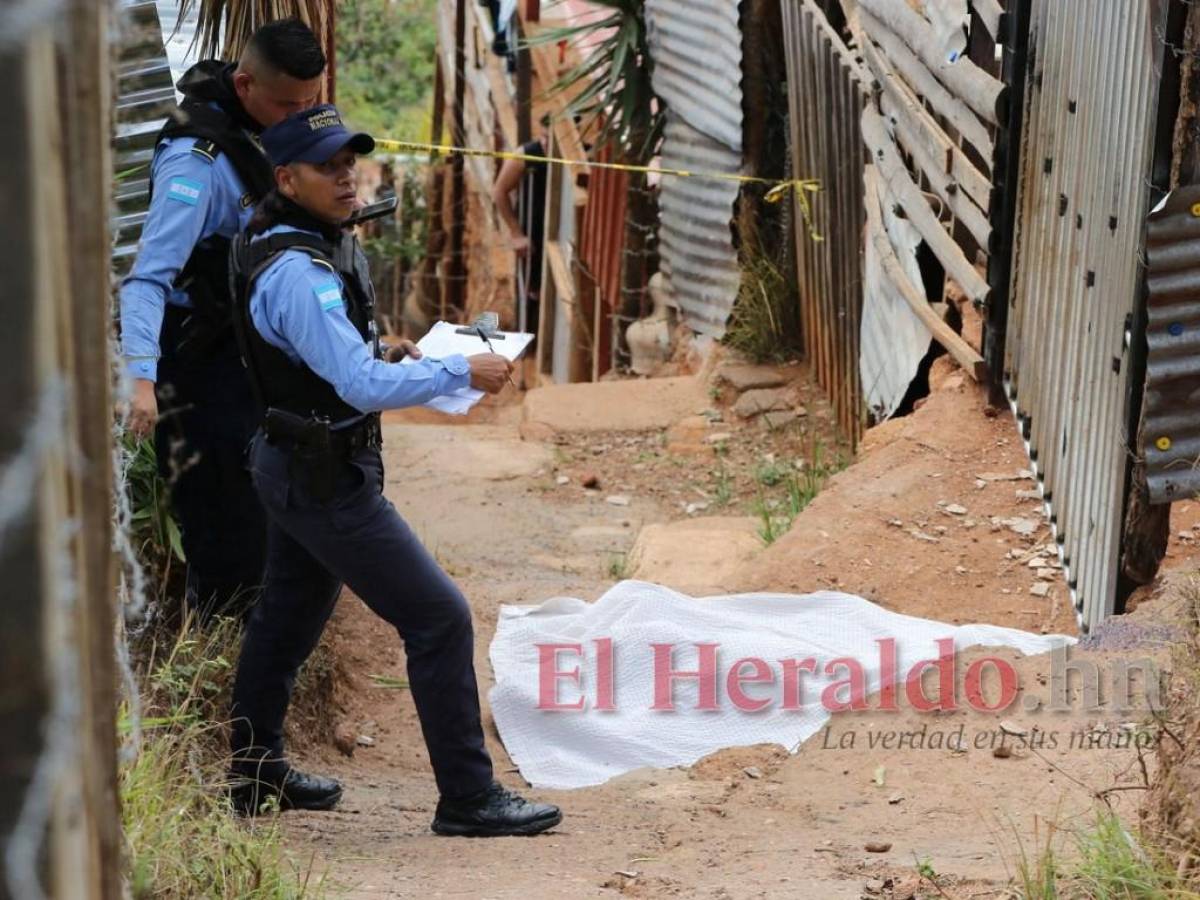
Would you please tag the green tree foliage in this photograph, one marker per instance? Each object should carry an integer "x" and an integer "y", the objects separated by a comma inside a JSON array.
[{"x": 386, "y": 58}]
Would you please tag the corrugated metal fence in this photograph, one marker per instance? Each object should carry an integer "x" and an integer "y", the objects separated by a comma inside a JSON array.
[
  {"x": 1171, "y": 433},
  {"x": 1082, "y": 201},
  {"x": 152, "y": 57},
  {"x": 827, "y": 93},
  {"x": 145, "y": 94},
  {"x": 697, "y": 48}
]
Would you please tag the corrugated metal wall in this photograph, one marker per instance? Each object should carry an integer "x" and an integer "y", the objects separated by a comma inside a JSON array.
[
  {"x": 145, "y": 94},
  {"x": 146, "y": 75},
  {"x": 1171, "y": 433},
  {"x": 1083, "y": 193},
  {"x": 697, "y": 49},
  {"x": 826, "y": 94}
]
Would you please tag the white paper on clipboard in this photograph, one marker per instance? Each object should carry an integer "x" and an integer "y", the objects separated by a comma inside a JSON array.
[{"x": 444, "y": 339}]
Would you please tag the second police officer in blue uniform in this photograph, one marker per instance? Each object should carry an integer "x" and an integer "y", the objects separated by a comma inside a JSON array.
[
  {"x": 207, "y": 173},
  {"x": 304, "y": 310}
]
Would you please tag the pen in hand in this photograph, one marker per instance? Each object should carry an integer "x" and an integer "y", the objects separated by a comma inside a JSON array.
[{"x": 483, "y": 336}]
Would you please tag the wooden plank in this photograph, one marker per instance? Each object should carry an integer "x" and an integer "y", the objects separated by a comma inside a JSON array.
[
  {"x": 989, "y": 12},
  {"x": 566, "y": 318},
  {"x": 525, "y": 130},
  {"x": 51, "y": 570},
  {"x": 84, "y": 61},
  {"x": 455, "y": 292},
  {"x": 982, "y": 92},
  {"x": 962, "y": 352},
  {"x": 924, "y": 128},
  {"x": 900, "y": 183},
  {"x": 926, "y": 85},
  {"x": 492, "y": 93},
  {"x": 560, "y": 271},
  {"x": 943, "y": 184},
  {"x": 579, "y": 359}
]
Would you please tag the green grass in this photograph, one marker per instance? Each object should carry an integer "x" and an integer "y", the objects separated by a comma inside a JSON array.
[
  {"x": 1110, "y": 863},
  {"x": 777, "y": 514},
  {"x": 389, "y": 682},
  {"x": 722, "y": 486},
  {"x": 765, "y": 323},
  {"x": 181, "y": 839},
  {"x": 183, "y": 842},
  {"x": 618, "y": 567},
  {"x": 771, "y": 473}
]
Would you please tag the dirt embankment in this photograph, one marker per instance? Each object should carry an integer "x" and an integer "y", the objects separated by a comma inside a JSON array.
[{"x": 938, "y": 517}]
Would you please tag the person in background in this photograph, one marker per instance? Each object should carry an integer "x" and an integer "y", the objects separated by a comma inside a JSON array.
[
  {"x": 189, "y": 387},
  {"x": 304, "y": 315},
  {"x": 526, "y": 224}
]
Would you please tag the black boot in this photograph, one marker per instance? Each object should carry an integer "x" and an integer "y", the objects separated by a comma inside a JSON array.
[
  {"x": 295, "y": 790},
  {"x": 493, "y": 812}
]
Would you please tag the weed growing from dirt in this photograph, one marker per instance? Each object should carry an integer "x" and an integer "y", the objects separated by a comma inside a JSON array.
[
  {"x": 722, "y": 485},
  {"x": 765, "y": 322},
  {"x": 1110, "y": 863},
  {"x": 181, "y": 839},
  {"x": 776, "y": 516},
  {"x": 618, "y": 567}
]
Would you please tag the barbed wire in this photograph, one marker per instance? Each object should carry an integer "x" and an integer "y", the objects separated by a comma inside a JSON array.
[{"x": 22, "y": 479}]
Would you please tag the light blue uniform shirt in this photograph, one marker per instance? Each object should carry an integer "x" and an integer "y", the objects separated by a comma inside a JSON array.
[
  {"x": 297, "y": 305},
  {"x": 192, "y": 199}
]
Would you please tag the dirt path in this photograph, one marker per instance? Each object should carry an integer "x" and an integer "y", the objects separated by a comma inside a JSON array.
[{"x": 747, "y": 822}]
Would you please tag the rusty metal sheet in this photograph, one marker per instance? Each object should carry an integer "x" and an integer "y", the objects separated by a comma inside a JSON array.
[
  {"x": 601, "y": 239},
  {"x": 1172, "y": 406},
  {"x": 697, "y": 50}
]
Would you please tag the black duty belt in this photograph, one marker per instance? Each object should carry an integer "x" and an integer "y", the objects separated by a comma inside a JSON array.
[
  {"x": 362, "y": 436},
  {"x": 318, "y": 435}
]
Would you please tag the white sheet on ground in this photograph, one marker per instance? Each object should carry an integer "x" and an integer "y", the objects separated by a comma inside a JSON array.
[{"x": 576, "y": 749}]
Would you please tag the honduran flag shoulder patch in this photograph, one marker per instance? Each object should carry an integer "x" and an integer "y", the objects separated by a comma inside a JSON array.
[
  {"x": 329, "y": 295},
  {"x": 185, "y": 190}
]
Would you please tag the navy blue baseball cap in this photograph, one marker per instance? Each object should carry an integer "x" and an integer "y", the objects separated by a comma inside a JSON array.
[{"x": 312, "y": 136}]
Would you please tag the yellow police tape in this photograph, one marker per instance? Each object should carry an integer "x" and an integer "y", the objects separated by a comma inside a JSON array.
[{"x": 779, "y": 188}]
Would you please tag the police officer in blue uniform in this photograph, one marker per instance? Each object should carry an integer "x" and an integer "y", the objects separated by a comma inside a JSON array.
[
  {"x": 207, "y": 174},
  {"x": 304, "y": 310}
]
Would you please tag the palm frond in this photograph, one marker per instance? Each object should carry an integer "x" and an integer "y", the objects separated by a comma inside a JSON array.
[
  {"x": 611, "y": 89},
  {"x": 226, "y": 25}
]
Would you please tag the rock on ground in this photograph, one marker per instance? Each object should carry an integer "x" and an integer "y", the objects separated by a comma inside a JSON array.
[
  {"x": 745, "y": 378},
  {"x": 763, "y": 400}
]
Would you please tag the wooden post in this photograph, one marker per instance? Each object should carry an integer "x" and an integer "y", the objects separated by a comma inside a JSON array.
[
  {"x": 84, "y": 57},
  {"x": 56, "y": 624},
  {"x": 428, "y": 292},
  {"x": 524, "y": 87},
  {"x": 454, "y": 296},
  {"x": 23, "y": 658}
]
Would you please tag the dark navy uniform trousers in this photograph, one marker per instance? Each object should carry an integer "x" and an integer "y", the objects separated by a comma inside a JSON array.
[
  {"x": 207, "y": 415},
  {"x": 359, "y": 539}
]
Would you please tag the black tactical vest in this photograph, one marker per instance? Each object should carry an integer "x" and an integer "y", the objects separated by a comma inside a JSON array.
[
  {"x": 205, "y": 276},
  {"x": 278, "y": 382}
]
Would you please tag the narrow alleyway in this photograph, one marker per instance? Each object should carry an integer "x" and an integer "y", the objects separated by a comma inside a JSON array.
[{"x": 746, "y": 822}]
